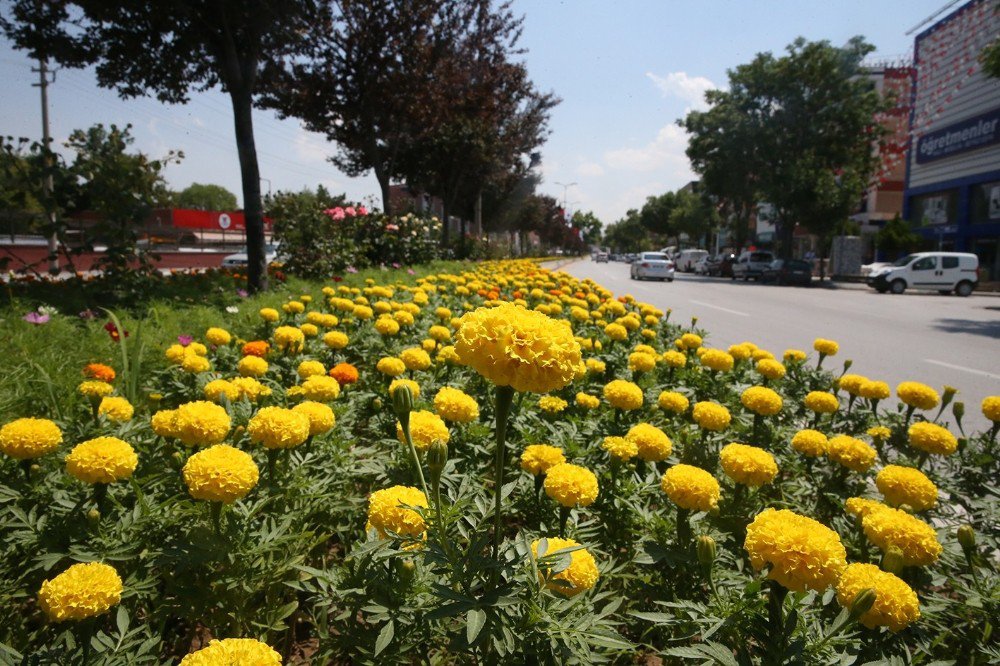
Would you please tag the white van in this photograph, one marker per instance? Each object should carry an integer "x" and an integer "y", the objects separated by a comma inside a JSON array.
[
  {"x": 686, "y": 259},
  {"x": 941, "y": 271}
]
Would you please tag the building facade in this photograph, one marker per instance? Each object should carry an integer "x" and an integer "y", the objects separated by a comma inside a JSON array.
[{"x": 952, "y": 195}]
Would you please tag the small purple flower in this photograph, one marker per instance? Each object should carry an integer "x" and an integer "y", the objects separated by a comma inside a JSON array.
[
  {"x": 351, "y": 269},
  {"x": 242, "y": 293},
  {"x": 411, "y": 271},
  {"x": 36, "y": 318},
  {"x": 185, "y": 340}
]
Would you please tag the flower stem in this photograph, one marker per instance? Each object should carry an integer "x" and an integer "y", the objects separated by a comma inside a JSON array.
[
  {"x": 775, "y": 619},
  {"x": 504, "y": 399},
  {"x": 563, "y": 518},
  {"x": 405, "y": 423},
  {"x": 216, "y": 517}
]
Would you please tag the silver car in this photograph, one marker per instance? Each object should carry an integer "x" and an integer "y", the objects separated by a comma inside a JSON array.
[
  {"x": 239, "y": 260},
  {"x": 652, "y": 265}
]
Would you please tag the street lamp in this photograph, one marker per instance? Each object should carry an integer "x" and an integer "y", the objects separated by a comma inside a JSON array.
[{"x": 565, "y": 187}]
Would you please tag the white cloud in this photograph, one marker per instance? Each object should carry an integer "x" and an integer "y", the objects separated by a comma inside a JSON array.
[
  {"x": 590, "y": 169},
  {"x": 691, "y": 89},
  {"x": 666, "y": 151}
]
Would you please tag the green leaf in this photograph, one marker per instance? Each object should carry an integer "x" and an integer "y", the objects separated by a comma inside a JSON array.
[
  {"x": 121, "y": 621},
  {"x": 475, "y": 619},
  {"x": 659, "y": 618},
  {"x": 384, "y": 637}
]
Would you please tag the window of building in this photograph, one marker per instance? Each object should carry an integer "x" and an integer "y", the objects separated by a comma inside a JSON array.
[
  {"x": 986, "y": 202},
  {"x": 934, "y": 209}
]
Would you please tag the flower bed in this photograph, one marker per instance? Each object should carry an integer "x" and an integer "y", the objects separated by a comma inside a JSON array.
[{"x": 504, "y": 464}]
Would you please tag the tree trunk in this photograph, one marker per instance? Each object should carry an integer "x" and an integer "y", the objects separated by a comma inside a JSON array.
[
  {"x": 383, "y": 182},
  {"x": 253, "y": 209},
  {"x": 445, "y": 228}
]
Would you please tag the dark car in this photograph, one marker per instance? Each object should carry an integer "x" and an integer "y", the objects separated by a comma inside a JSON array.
[
  {"x": 725, "y": 266},
  {"x": 788, "y": 271}
]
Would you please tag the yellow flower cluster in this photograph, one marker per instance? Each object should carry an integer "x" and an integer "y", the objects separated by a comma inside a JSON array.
[
  {"x": 674, "y": 359},
  {"x": 218, "y": 336},
  {"x": 391, "y": 366},
  {"x": 199, "y": 423},
  {"x": 28, "y": 438},
  {"x": 456, "y": 405},
  {"x": 321, "y": 417},
  {"x": 859, "y": 507},
  {"x": 233, "y": 652},
  {"x": 415, "y": 358},
  {"x": 906, "y": 485},
  {"x": 771, "y": 369},
  {"x": 672, "y": 401},
  {"x": 932, "y": 438},
  {"x": 425, "y": 429},
  {"x": 691, "y": 488},
  {"x": 220, "y": 473},
  {"x": 389, "y": 512},
  {"x": 551, "y": 404},
  {"x": 116, "y": 409},
  {"x": 850, "y": 452},
  {"x": 718, "y": 360},
  {"x": 82, "y": 591},
  {"x": 252, "y": 366},
  {"x": 748, "y": 465},
  {"x": 523, "y": 349},
  {"x": 571, "y": 485},
  {"x": 809, "y": 442},
  {"x": 95, "y": 389},
  {"x": 761, "y": 400},
  {"x": 802, "y": 553},
  {"x": 886, "y": 527},
  {"x": 620, "y": 448},
  {"x": 278, "y": 428},
  {"x": 579, "y": 576},
  {"x": 408, "y": 383},
  {"x": 826, "y": 347},
  {"x": 321, "y": 388},
  {"x": 289, "y": 339},
  {"x": 896, "y": 605},
  {"x": 991, "y": 408},
  {"x": 711, "y": 416},
  {"x": 587, "y": 401},
  {"x": 102, "y": 460},
  {"x": 538, "y": 458},
  {"x": 217, "y": 389},
  {"x": 917, "y": 395},
  {"x": 652, "y": 444},
  {"x": 622, "y": 394},
  {"x": 821, "y": 402},
  {"x": 641, "y": 362}
]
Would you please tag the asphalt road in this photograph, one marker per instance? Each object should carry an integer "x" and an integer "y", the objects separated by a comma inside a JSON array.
[{"x": 914, "y": 336}]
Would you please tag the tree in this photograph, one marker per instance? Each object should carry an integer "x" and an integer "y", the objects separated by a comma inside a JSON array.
[
  {"x": 589, "y": 225},
  {"x": 693, "y": 215},
  {"x": 990, "y": 58},
  {"x": 627, "y": 234},
  {"x": 201, "y": 196},
  {"x": 655, "y": 214},
  {"x": 167, "y": 48},
  {"x": 896, "y": 237}
]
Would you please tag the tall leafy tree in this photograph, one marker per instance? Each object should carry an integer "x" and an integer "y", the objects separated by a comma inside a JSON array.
[
  {"x": 694, "y": 215},
  {"x": 590, "y": 226},
  {"x": 655, "y": 214},
  {"x": 169, "y": 48},
  {"x": 205, "y": 196}
]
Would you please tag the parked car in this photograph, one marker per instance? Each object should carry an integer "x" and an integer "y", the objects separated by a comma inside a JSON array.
[
  {"x": 704, "y": 265},
  {"x": 941, "y": 271},
  {"x": 751, "y": 264},
  {"x": 788, "y": 271},
  {"x": 239, "y": 260},
  {"x": 686, "y": 259},
  {"x": 601, "y": 257},
  {"x": 654, "y": 265}
]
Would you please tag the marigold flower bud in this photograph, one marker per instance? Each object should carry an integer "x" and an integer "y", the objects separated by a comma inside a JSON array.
[
  {"x": 967, "y": 538},
  {"x": 862, "y": 603},
  {"x": 402, "y": 401},
  {"x": 437, "y": 456},
  {"x": 706, "y": 551},
  {"x": 892, "y": 561},
  {"x": 958, "y": 409}
]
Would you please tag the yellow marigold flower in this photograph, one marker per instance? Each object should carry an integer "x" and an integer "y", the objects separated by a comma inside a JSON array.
[
  {"x": 616, "y": 332},
  {"x": 232, "y": 651},
  {"x": 740, "y": 352},
  {"x": 307, "y": 369},
  {"x": 321, "y": 388},
  {"x": 991, "y": 407},
  {"x": 408, "y": 383},
  {"x": 852, "y": 383},
  {"x": 523, "y": 349},
  {"x": 175, "y": 353},
  {"x": 691, "y": 341},
  {"x": 551, "y": 404},
  {"x": 622, "y": 394},
  {"x": 538, "y": 458},
  {"x": 294, "y": 307},
  {"x": 82, "y": 591},
  {"x": 116, "y": 409},
  {"x": 794, "y": 356},
  {"x": 859, "y": 507},
  {"x": 879, "y": 433},
  {"x": 691, "y": 488},
  {"x": 194, "y": 364},
  {"x": 252, "y": 366},
  {"x": 335, "y": 340},
  {"x": 761, "y": 354},
  {"x": 218, "y": 336},
  {"x": 906, "y": 485},
  {"x": 621, "y": 448},
  {"x": 652, "y": 443},
  {"x": 269, "y": 315},
  {"x": 874, "y": 390},
  {"x": 216, "y": 389},
  {"x": 363, "y": 312},
  {"x": 278, "y": 428},
  {"x": 588, "y": 401},
  {"x": 826, "y": 347},
  {"x": 309, "y": 330},
  {"x": 932, "y": 438},
  {"x": 571, "y": 485},
  {"x": 388, "y": 512},
  {"x": 102, "y": 460},
  {"x": 896, "y": 605},
  {"x": 415, "y": 358},
  {"x": 674, "y": 359},
  {"x": 718, "y": 360},
  {"x": 196, "y": 348},
  {"x": 455, "y": 405},
  {"x": 250, "y": 388},
  {"x": 201, "y": 423},
  {"x": 761, "y": 400},
  {"x": 426, "y": 428},
  {"x": 748, "y": 465},
  {"x": 289, "y": 339},
  {"x": 671, "y": 401},
  {"x": 163, "y": 423},
  {"x": 915, "y": 394},
  {"x": 768, "y": 367},
  {"x": 100, "y": 372},
  {"x": 448, "y": 355},
  {"x": 579, "y": 576},
  {"x": 850, "y": 452},
  {"x": 809, "y": 442},
  {"x": 641, "y": 362},
  {"x": 442, "y": 313},
  {"x": 821, "y": 402},
  {"x": 94, "y": 389},
  {"x": 24, "y": 439},
  {"x": 220, "y": 473},
  {"x": 321, "y": 418},
  {"x": 439, "y": 333},
  {"x": 917, "y": 540},
  {"x": 802, "y": 552},
  {"x": 403, "y": 317},
  {"x": 596, "y": 367},
  {"x": 711, "y": 416},
  {"x": 391, "y": 366}
]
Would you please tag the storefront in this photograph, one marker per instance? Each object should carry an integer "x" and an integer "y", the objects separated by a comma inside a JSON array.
[{"x": 952, "y": 195}]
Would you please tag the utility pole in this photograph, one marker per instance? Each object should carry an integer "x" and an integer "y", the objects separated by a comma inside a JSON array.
[
  {"x": 47, "y": 185},
  {"x": 565, "y": 187}
]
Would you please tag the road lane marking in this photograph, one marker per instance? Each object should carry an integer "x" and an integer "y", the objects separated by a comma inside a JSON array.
[
  {"x": 961, "y": 367},
  {"x": 716, "y": 307}
]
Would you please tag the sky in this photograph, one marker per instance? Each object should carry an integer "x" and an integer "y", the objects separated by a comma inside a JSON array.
[{"x": 626, "y": 71}]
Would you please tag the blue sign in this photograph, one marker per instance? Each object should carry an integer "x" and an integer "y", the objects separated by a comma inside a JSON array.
[{"x": 971, "y": 133}]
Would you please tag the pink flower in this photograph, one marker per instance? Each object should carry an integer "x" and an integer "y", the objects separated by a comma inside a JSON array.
[
  {"x": 362, "y": 210},
  {"x": 411, "y": 271},
  {"x": 36, "y": 318},
  {"x": 351, "y": 269},
  {"x": 242, "y": 293},
  {"x": 395, "y": 264},
  {"x": 350, "y": 211},
  {"x": 392, "y": 227},
  {"x": 185, "y": 340},
  {"x": 335, "y": 213}
]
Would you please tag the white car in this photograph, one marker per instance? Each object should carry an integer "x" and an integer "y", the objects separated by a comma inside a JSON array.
[
  {"x": 239, "y": 260},
  {"x": 943, "y": 272},
  {"x": 652, "y": 265}
]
